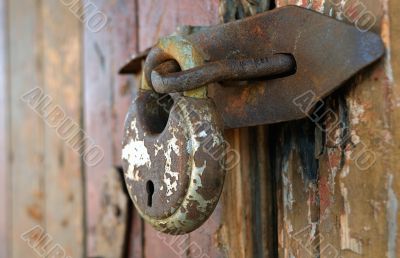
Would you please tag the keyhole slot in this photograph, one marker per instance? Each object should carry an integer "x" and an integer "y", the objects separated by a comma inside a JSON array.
[{"x": 150, "y": 192}]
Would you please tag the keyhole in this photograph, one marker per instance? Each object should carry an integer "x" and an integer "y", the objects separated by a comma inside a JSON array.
[{"x": 150, "y": 192}]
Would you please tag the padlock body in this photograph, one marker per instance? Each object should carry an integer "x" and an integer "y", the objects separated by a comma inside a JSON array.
[{"x": 173, "y": 157}]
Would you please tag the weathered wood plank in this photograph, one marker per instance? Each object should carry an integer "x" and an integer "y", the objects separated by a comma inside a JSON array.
[
  {"x": 158, "y": 18},
  {"x": 124, "y": 42},
  {"x": 358, "y": 188},
  {"x": 112, "y": 225},
  {"x": 136, "y": 236},
  {"x": 392, "y": 70},
  {"x": 362, "y": 200},
  {"x": 247, "y": 205},
  {"x": 157, "y": 244},
  {"x": 27, "y": 128},
  {"x": 4, "y": 133},
  {"x": 97, "y": 121},
  {"x": 62, "y": 81},
  {"x": 297, "y": 190},
  {"x": 106, "y": 98},
  {"x": 247, "y": 223}
]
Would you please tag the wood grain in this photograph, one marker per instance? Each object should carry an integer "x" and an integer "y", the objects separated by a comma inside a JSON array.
[
  {"x": 113, "y": 219},
  {"x": 27, "y": 129},
  {"x": 106, "y": 99},
  {"x": 62, "y": 81},
  {"x": 358, "y": 201},
  {"x": 296, "y": 173},
  {"x": 123, "y": 42},
  {"x": 4, "y": 136},
  {"x": 248, "y": 221},
  {"x": 158, "y": 18},
  {"x": 362, "y": 199}
]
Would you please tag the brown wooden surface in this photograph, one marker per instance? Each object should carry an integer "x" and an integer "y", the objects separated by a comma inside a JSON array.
[
  {"x": 46, "y": 174},
  {"x": 62, "y": 80},
  {"x": 106, "y": 100},
  {"x": 248, "y": 220},
  {"x": 4, "y": 155},
  {"x": 46, "y": 190},
  {"x": 347, "y": 211}
]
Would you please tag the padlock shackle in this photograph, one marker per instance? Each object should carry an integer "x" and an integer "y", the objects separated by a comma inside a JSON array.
[{"x": 183, "y": 52}]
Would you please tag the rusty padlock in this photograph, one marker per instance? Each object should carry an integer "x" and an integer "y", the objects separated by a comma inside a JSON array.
[{"x": 173, "y": 148}]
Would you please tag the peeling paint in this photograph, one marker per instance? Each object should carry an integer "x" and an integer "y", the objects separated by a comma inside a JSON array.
[
  {"x": 355, "y": 139},
  {"x": 345, "y": 171},
  {"x": 386, "y": 40},
  {"x": 135, "y": 152},
  {"x": 346, "y": 241},
  {"x": 356, "y": 111},
  {"x": 168, "y": 174},
  {"x": 340, "y": 13},
  {"x": 288, "y": 198},
  {"x": 392, "y": 207}
]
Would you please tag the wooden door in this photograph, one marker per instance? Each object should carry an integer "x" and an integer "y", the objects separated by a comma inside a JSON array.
[{"x": 306, "y": 188}]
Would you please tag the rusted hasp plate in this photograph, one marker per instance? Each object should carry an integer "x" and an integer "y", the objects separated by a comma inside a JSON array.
[{"x": 327, "y": 53}]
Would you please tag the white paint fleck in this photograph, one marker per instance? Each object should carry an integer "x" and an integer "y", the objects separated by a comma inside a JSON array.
[
  {"x": 193, "y": 194},
  {"x": 203, "y": 134},
  {"x": 392, "y": 207},
  {"x": 386, "y": 40},
  {"x": 133, "y": 126},
  {"x": 288, "y": 198},
  {"x": 169, "y": 175},
  {"x": 356, "y": 111},
  {"x": 313, "y": 233},
  {"x": 290, "y": 228},
  {"x": 355, "y": 139},
  {"x": 331, "y": 12},
  {"x": 332, "y": 175},
  {"x": 157, "y": 148},
  {"x": 338, "y": 136},
  {"x": 340, "y": 13},
  {"x": 345, "y": 171},
  {"x": 346, "y": 241},
  {"x": 135, "y": 153}
]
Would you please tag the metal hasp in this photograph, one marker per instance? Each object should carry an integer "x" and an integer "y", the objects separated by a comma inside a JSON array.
[{"x": 326, "y": 52}]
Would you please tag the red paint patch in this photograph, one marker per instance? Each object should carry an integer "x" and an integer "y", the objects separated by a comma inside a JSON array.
[{"x": 324, "y": 195}]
